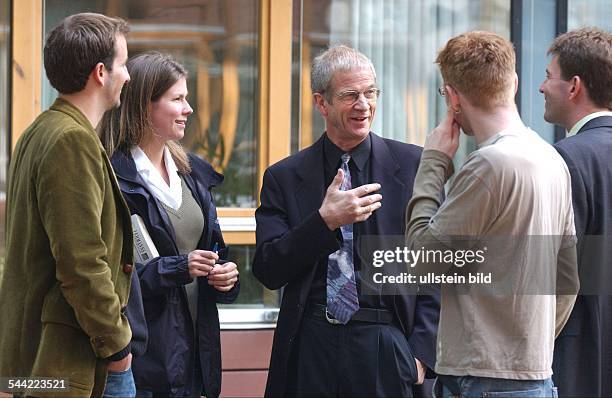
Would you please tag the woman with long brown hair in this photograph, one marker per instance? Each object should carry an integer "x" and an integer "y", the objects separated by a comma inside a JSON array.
[{"x": 171, "y": 191}]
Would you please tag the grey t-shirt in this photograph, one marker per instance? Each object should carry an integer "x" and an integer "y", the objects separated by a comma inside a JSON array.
[{"x": 514, "y": 188}]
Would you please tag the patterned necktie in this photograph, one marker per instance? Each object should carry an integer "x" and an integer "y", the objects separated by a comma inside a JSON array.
[{"x": 342, "y": 300}]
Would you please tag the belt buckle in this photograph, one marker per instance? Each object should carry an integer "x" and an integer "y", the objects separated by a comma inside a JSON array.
[{"x": 330, "y": 318}]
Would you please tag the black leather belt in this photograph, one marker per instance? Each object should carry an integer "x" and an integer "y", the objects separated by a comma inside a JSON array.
[{"x": 371, "y": 315}]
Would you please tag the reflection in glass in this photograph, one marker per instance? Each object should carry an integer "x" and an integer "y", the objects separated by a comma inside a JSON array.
[
  {"x": 216, "y": 40},
  {"x": 5, "y": 39},
  {"x": 589, "y": 13},
  {"x": 402, "y": 39}
]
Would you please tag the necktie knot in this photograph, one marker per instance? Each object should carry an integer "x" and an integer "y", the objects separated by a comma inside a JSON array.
[
  {"x": 345, "y": 158},
  {"x": 346, "y": 181}
]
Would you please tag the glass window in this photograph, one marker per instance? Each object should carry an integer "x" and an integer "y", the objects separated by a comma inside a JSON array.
[
  {"x": 256, "y": 306},
  {"x": 5, "y": 40},
  {"x": 589, "y": 13},
  {"x": 402, "y": 39},
  {"x": 252, "y": 293},
  {"x": 538, "y": 28},
  {"x": 217, "y": 42}
]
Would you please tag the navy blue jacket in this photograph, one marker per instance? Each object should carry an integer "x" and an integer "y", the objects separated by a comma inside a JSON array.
[
  {"x": 168, "y": 362},
  {"x": 292, "y": 238},
  {"x": 582, "y": 363}
]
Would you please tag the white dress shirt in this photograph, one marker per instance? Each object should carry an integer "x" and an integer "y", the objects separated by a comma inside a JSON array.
[{"x": 171, "y": 195}]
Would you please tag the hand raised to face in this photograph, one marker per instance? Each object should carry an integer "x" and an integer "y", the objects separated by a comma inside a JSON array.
[{"x": 445, "y": 137}]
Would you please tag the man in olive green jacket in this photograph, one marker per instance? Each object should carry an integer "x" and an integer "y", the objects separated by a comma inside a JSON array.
[{"x": 69, "y": 243}]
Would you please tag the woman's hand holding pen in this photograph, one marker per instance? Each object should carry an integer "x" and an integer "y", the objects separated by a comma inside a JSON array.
[
  {"x": 223, "y": 277},
  {"x": 201, "y": 262}
]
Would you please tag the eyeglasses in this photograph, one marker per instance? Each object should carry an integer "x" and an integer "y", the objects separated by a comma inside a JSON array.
[
  {"x": 349, "y": 97},
  {"x": 442, "y": 91}
]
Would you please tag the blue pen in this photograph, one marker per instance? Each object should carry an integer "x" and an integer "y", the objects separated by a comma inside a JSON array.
[{"x": 215, "y": 249}]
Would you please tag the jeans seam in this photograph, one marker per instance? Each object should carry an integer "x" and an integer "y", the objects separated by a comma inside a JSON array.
[{"x": 465, "y": 386}]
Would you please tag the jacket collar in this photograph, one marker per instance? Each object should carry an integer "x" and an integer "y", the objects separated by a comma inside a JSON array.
[
  {"x": 386, "y": 172},
  {"x": 125, "y": 168},
  {"x": 598, "y": 122},
  {"x": 313, "y": 157},
  {"x": 382, "y": 156},
  {"x": 311, "y": 171},
  {"x": 359, "y": 155},
  {"x": 204, "y": 172},
  {"x": 64, "y": 106}
]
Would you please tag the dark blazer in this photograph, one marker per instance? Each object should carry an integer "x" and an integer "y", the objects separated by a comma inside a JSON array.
[
  {"x": 582, "y": 362},
  {"x": 292, "y": 238},
  {"x": 170, "y": 353}
]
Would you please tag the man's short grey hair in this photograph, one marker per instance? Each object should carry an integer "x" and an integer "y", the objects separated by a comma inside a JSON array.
[{"x": 334, "y": 59}]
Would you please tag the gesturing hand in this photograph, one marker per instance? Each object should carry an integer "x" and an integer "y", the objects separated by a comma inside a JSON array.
[
  {"x": 348, "y": 207},
  {"x": 201, "y": 262}
]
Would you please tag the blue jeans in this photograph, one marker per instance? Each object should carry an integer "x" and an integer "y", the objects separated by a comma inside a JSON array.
[
  {"x": 120, "y": 385},
  {"x": 485, "y": 387}
]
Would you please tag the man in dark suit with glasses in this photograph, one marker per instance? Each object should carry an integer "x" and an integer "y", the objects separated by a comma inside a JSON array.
[{"x": 338, "y": 333}]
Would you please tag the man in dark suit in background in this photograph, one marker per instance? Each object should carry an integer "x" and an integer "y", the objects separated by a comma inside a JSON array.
[
  {"x": 578, "y": 94},
  {"x": 333, "y": 338}
]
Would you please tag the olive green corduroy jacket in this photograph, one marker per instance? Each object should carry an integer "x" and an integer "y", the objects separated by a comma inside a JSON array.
[{"x": 68, "y": 254}]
